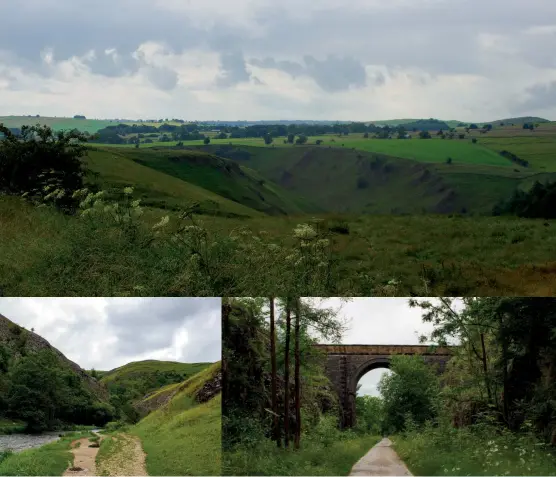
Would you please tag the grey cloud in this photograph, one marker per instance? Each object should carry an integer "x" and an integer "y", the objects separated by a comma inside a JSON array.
[
  {"x": 108, "y": 332},
  {"x": 539, "y": 97},
  {"x": 113, "y": 64},
  {"x": 163, "y": 78},
  {"x": 331, "y": 74},
  {"x": 233, "y": 70}
]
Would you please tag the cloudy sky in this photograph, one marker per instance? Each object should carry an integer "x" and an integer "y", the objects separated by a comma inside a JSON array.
[
  {"x": 472, "y": 60},
  {"x": 380, "y": 321},
  {"x": 105, "y": 333}
]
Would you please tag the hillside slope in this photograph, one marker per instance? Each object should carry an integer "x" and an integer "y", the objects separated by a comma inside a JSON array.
[
  {"x": 352, "y": 181},
  {"x": 181, "y": 435},
  {"x": 112, "y": 168},
  {"x": 226, "y": 178},
  {"x": 21, "y": 342}
]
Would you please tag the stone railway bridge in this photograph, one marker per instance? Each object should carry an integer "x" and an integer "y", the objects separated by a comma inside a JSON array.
[{"x": 346, "y": 364}]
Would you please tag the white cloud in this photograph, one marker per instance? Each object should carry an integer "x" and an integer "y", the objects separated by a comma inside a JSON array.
[{"x": 105, "y": 333}]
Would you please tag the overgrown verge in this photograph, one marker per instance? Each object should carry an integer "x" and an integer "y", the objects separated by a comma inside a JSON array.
[
  {"x": 50, "y": 459},
  {"x": 324, "y": 451},
  {"x": 474, "y": 450}
]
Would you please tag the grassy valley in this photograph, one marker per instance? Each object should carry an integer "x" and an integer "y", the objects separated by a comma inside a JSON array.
[
  {"x": 386, "y": 216},
  {"x": 149, "y": 410}
]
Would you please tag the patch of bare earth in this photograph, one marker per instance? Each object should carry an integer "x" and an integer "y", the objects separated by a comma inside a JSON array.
[
  {"x": 129, "y": 460},
  {"x": 83, "y": 458}
]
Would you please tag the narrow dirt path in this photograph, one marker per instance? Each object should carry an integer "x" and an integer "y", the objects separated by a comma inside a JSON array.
[
  {"x": 128, "y": 460},
  {"x": 380, "y": 460},
  {"x": 83, "y": 458}
]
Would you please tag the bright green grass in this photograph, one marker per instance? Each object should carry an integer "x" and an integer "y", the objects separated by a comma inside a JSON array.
[
  {"x": 313, "y": 457},
  {"x": 183, "y": 437},
  {"x": 155, "y": 188},
  {"x": 50, "y": 459},
  {"x": 84, "y": 125},
  {"x": 132, "y": 370},
  {"x": 464, "y": 452},
  {"x": 540, "y": 151}
]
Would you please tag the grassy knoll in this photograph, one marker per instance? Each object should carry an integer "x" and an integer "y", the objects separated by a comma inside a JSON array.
[
  {"x": 113, "y": 169},
  {"x": 315, "y": 457},
  {"x": 473, "y": 452},
  {"x": 184, "y": 437},
  {"x": 50, "y": 459}
]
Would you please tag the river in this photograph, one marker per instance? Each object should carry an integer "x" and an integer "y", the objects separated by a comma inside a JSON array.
[{"x": 19, "y": 442}]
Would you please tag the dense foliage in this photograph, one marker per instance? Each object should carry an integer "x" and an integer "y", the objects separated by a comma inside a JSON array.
[
  {"x": 39, "y": 390},
  {"x": 41, "y": 163},
  {"x": 537, "y": 202}
]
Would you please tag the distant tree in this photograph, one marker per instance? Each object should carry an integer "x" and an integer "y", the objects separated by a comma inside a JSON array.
[
  {"x": 473, "y": 126},
  {"x": 267, "y": 139},
  {"x": 366, "y": 135},
  {"x": 79, "y": 116},
  {"x": 425, "y": 135},
  {"x": 302, "y": 139},
  {"x": 449, "y": 160},
  {"x": 474, "y": 140},
  {"x": 206, "y": 140},
  {"x": 461, "y": 136},
  {"x": 291, "y": 138},
  {"x": 222, "y": 135},
  {"x": 318, "y": 142}
]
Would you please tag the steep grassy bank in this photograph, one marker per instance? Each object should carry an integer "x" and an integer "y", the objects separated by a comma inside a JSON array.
[{"x": 183, "y": 436}]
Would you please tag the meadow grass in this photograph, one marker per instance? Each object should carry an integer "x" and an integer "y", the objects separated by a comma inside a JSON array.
[
  {"x": 43, "y": 253},
  {"x": 50, "y": 459},
  {"x": 313, "y": 458},
  {"x": 184, "y": 437},
  {"x": 472, "y": 451}
]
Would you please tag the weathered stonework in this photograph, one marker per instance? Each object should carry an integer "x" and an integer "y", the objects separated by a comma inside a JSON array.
[{"x": 346, "y": 364}]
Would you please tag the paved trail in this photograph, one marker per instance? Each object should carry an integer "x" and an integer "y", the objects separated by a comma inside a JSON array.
[{"x": 380, "y": 460}]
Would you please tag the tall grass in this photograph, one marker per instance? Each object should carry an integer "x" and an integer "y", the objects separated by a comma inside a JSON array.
[
  {"x": 324, "y": 450},
  {"x": 474, "y": 450}
]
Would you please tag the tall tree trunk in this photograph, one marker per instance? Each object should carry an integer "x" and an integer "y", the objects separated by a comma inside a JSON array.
[
  {"x": 287, "y": 376},
  {"x": 297, "y": 383},
  {"x": 485, "y": 368},
  {"x": 226, "y": 308},
  {"x": 275, "y": 422}
]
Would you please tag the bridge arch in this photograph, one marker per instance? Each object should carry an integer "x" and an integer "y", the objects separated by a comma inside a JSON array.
[{"x": 347, "y": 364}]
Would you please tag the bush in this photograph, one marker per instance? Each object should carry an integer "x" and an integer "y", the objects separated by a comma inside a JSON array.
[{"x": 42, "y": 165}]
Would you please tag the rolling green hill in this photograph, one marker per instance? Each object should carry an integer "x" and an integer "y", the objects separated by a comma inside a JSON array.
[
  {"x": 352, "y": 181},
  {"x": 226, "y": 178},
  {"x": 112, "y": 168},
  {"x": 519, "y": 121}
]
